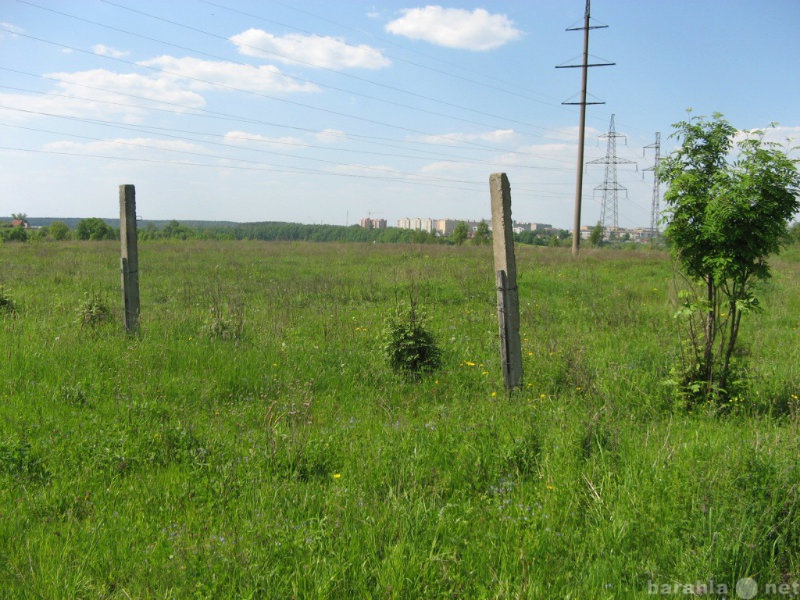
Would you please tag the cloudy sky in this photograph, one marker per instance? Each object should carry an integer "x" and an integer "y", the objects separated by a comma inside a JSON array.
[{"x": 332, "y": 110}]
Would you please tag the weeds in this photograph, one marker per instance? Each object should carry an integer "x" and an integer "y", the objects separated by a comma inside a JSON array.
[
  {"x": 8, "y": 308},
  {"x": 93, "y": 311},
  {"x": 409, "y": 347}
]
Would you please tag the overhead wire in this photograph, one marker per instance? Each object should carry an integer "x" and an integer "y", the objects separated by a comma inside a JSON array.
[
  {"x": 295, "y": 77},
  {"x": 340, "y": 73},
  {"x": 209, "y": 155},
  {"x": 260, "y": 94},
  {"x": 425, "y": 155},
  {"x": 428, "y": 67},
  {"x": 175, "y": 106}
]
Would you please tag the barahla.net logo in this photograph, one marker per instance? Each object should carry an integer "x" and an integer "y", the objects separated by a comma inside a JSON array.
[{"x": 745, "y": 589}]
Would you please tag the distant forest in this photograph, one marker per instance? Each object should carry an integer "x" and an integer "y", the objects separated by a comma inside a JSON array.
[{"x": 99, "y": 229}]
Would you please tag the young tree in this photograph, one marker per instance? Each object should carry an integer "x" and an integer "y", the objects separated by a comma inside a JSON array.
[
  {"x": 59, "y": 230},
  {"x": 94, "y": 228},
  {"x": 726, "y": 215},
  {"x": 460, "y": 233},
  {"x": 596, "y": 236},
  {"x": 482, "y": 234}
]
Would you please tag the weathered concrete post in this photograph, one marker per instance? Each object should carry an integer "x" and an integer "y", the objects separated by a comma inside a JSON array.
[
  {"x": 505, "y": 266},
  {"x": 130, "y": 257}
]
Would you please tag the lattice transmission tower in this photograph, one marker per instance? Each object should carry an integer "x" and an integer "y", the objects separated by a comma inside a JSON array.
[
  {"x": 610, "y": 186},
  {"x": 655, "y": 209}
]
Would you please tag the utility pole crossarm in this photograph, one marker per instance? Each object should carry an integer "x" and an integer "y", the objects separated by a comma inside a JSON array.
[{"x": 603, "y": 64}]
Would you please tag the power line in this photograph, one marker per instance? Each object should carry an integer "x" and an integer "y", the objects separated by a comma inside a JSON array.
[
  {"x": 393, "y": 89},
  {"x": 390, "y": 42},
  {"x": 170, "y": 133},
  {"x": 468, "y": 143},
  {"x": 385, "y": 142}
]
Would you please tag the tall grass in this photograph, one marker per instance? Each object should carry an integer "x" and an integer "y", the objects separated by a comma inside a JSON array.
[{"x": 252, "y": 442}]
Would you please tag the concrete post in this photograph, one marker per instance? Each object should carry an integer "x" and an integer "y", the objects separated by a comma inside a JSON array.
[
  {"x": 505, "y": 265},
  {"x": 129, "y": 257}
]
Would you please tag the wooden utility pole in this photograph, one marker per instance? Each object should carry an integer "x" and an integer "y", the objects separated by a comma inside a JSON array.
[
  {"x": 505, "y": 266},
  {"x": 129, "y": 257},
  {"x": 576, "y": 223}
]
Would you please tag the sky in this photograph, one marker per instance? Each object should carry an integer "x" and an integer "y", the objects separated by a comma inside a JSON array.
[{"x": 328, "y": 111}]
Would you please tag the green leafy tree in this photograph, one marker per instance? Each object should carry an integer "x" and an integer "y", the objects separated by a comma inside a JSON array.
[
  {"x": 728, "y": 207},
  {"x": 482, "y": 234},
  {"x": 13, "y": 234},
  {"x": 460, "y": 233},
  {"x": 596, "y": 236},
  {"x": 59, "y": 230},
  {"x": 176, "y": 230},
  {"x": 94, "y": 229}
]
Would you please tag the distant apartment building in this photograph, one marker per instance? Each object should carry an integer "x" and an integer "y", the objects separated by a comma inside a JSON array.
[
  {"x": 417, "y": 224},
  {"x": 370, "y": 223},
  {"x": 445, "y": 227}
]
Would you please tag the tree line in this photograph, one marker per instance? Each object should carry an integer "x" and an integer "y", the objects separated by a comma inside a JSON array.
[{"x": 96, "y": 229}]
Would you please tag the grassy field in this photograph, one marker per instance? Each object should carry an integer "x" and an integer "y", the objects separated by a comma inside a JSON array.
[{"x": 252, "y": 442}]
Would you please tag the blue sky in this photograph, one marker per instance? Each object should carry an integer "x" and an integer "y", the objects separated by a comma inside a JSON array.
[{"x": 329, "y": 111}]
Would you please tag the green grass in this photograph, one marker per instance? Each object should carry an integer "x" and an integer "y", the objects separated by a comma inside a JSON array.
[{"x": 251, "y": 441}]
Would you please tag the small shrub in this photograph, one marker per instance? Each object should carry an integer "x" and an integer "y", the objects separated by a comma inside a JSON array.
[
  {"x": 409, "y": 347},
  {"x": 93, "y": 311},
  {"x": 224, "y": 321},
  {"x": 7, "y": 305}
]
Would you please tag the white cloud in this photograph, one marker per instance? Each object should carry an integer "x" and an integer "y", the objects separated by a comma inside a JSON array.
[
  {"x": 570, "y": 134},
  {"x": 101, "y": 94},
  {"x": 205, "y": 74},
  {"x": 455, "y": 27},
  {"x": 125, "y": 147},
  {"x": 784, "y": 136},
  {"x": 103, "y": 50},
  {"x": 361, "y": 170},
  {"x": 331, "y": 136},
  {"x": 453, "y": 139},
  {"x": 131, "y": 94},
  {"x": 242, "y": 138},
  {"x": 9, "y": 30},
  {"x": 309, "y": 50}
]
